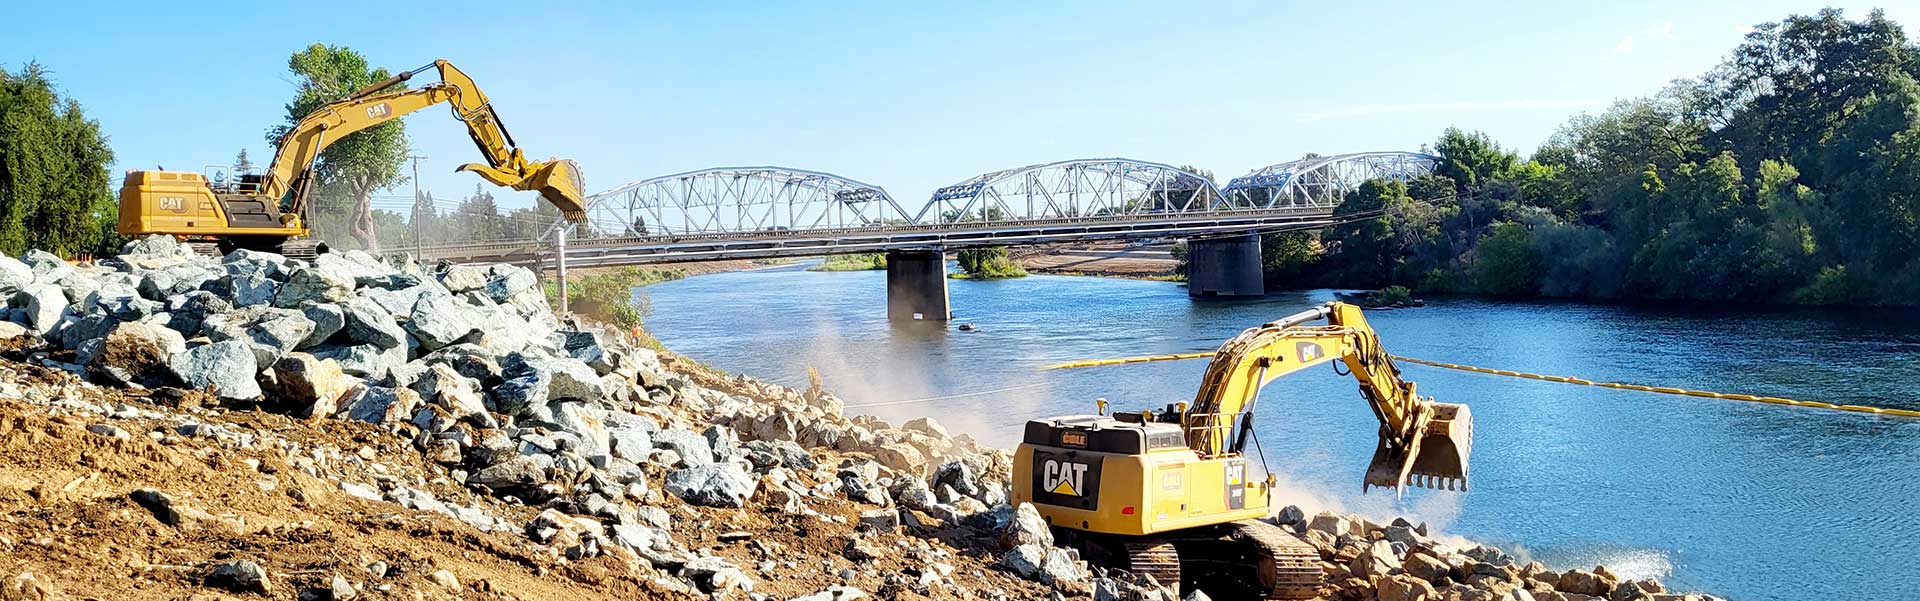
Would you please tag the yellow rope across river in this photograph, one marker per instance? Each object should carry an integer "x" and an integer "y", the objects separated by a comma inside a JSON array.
[{"x": 1773, "y": 400}]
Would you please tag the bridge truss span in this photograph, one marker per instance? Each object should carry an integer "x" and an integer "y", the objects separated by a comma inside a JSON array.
[
  {"x": 738, "y": 200},
  {"x": 1075, "y": 189},
  {"x": 1320, "y": 182}
]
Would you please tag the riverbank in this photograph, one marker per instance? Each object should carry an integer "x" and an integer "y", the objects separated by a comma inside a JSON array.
[
  {"x": 524, "y": 458},
  {"x": 1101, "y": 259}
]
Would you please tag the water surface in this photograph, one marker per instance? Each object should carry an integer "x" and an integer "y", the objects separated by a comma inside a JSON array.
[{"x": 1743, "y": 500}]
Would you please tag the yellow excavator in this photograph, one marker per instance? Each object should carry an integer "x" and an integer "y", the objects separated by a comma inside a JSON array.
[
  {"x": 248, "y": 212},
  {"x": 1166, "y": 493}
]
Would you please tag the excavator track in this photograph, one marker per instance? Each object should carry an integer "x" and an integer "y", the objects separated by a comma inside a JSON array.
[
  {"x": 1154, "y": 557},
  {"x": 1249, "y": 559}
]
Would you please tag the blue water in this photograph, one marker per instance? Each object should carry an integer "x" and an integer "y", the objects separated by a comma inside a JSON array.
[{"x": 1742, "y": 500}]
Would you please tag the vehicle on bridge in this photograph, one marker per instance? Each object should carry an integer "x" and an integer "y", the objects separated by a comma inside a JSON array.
[
  {"x": 248, "y": 213},
  {"x": 1168, "y": 493}
]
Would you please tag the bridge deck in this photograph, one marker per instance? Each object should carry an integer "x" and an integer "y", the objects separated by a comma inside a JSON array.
[{"x": 669, "y": 249}]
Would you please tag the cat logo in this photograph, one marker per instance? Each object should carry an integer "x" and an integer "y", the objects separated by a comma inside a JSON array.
[
  {"x": 379, "y": 110},
  {"x": 1309, "y": 351},
  {"x": 1063, "y": 477},
  {"x": 173, "y": 203}
]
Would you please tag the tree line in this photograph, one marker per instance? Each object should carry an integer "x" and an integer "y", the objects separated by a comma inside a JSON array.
[{"x": 1790, "y": 173}]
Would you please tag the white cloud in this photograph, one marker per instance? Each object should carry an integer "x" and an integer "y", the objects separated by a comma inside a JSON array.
[
  {"x": 1625, "y": 45},
  {"x": 1479, "y": 106},
  {"x": 1660, "y": 32}
]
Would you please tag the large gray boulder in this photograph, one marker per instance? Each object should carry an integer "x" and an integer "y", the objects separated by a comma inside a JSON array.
[
  {"x": 573, "y": 379},
  {"x": 574, "y": 417},
  {"x": 364, "y": 360},
  {"x": 311, "y": 285},
  {"x": 353, "y": 265},
  {"x": 463, "y": 278},
  {"x": 369, "y": 323},
  {"x": 91, "y": 327},
  {"x": 227, "y": 367},
  {"x": 520, "y": 396},
  {"x": 328, "y": 319},
  {"x": 265, "y": 264},
  {"x": 269, "y": 331},
  {"x": 251, "y": 289},
  {"x": 506, "y": 281},
  {"x": 156, "y": 244},
  {"x": 120, "y": 301},
  {"x": 14, "y": 275},
  {"x": 188, "y": 311},
  {"x": 437, "y": 321},
  {"x": 631, "y": 436},
  {"x": 689, "y": 445},
  {"x": 45, "y": 304},
  {"x": 380, "y": 405},
  {"x": 712, "y": 485}
]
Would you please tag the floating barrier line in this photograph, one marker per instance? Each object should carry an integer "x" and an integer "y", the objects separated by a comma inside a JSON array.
[{"x": 1773, "y": 400}]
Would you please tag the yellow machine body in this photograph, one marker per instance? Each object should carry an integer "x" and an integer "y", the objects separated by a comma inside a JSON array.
[
  {"x": 1081, "y": 473},
  {"x": 181, "y": 203}
]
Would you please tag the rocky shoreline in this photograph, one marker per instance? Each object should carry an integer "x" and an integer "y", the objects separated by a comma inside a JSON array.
[{"x": 180, "y": 426}]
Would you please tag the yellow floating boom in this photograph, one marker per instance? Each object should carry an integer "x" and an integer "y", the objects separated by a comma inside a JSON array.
[{"x": 1772, "y": 400}]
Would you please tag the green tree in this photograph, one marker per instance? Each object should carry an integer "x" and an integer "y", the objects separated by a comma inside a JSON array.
[
  {"x": 242, "y": 164},
  {"x": 1506, "y": 262},
  {"x": 1471, "y": 159},
  {"x": 477, "y": 219},
  {"x": 362, "y": 162},
  {"x": 55, "y": 193},
  {"x": 988, "y": 264}
]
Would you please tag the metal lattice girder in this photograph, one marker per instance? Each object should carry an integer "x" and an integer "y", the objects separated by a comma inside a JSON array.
[
  {"x": 1321, "y": 182},
  {"x": 727, "y": 200},
  {"x": 1073, "y": 189}
]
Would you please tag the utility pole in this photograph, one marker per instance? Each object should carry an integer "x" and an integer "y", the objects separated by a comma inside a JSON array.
[
  {"x": 560, "y": 261},
  {"x": 416, "y": 202}
]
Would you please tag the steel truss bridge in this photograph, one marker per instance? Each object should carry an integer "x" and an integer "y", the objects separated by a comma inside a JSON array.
[{"x": 760, "y": 212}]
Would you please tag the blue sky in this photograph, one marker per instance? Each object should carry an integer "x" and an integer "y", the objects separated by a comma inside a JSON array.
[{"x": 909, "y": 96}]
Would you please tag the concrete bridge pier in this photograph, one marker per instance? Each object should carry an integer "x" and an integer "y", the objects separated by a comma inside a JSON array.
[
  {"x": 1227, "y": 267},
  {"x": 917, "y": 286}
]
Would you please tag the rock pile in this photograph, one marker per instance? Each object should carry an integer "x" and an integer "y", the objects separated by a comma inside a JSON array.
[{"x": 615, "y": 454}]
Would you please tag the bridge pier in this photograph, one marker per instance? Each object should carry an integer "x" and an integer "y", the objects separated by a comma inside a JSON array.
[
  {"x": 917, "y": 286},
  {"x": 1224, "y": 267}
]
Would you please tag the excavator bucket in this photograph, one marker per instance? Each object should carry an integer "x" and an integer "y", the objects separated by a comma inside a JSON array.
[
  {"x": 1436, "y": 459},
  {"x": 557, "y": 180},
  {"x": 560, "y": 183}
]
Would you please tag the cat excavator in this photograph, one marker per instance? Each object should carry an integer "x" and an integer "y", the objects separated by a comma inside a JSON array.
[
  {"x": 248, "y": 212},
  {"x": 1167, "y": 492}
]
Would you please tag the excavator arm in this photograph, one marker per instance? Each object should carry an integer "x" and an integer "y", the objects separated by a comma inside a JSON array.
[
  {"x": 1422, "y": 442},
  {"x": 558, "y": 181}
]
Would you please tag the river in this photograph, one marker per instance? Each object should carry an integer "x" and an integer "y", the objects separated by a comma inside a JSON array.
[{"x": 1742, "y": 500}]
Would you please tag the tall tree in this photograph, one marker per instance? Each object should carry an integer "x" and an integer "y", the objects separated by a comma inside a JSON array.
[
  {"x": 242, "y": 164},
  {"x": 363, "y": 162},
  {"x": 54, "y": 189}
]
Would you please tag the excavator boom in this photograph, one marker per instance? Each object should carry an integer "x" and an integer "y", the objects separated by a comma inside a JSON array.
[
  {"x": 1422, "y": 442},
  {"x": 558, "y": 181}
]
